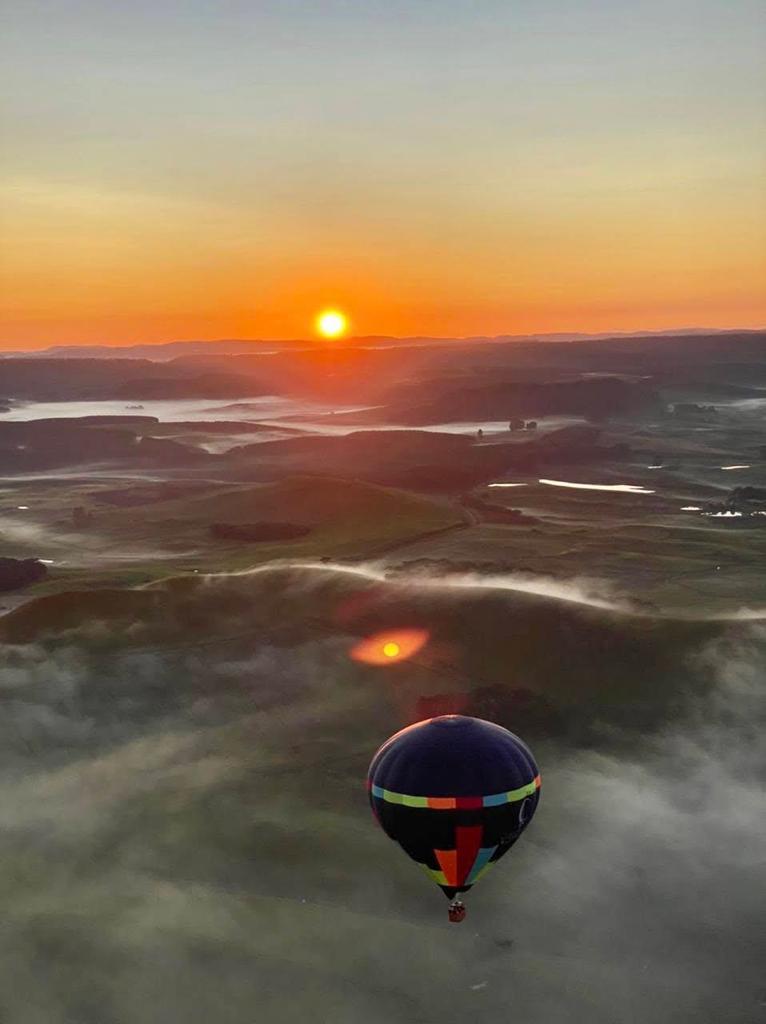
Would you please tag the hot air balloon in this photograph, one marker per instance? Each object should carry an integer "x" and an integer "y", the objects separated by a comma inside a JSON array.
[{"x": 455, "y": 793}]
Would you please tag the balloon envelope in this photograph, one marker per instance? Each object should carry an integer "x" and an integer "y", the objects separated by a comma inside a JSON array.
[{"x": 455, "y": 793}]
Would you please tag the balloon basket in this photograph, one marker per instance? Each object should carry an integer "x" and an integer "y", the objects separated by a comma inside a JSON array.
[{"x": 456, "y": 911}]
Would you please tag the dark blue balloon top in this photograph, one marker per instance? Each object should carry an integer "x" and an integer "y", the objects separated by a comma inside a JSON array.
[{"x": 453, "y": 756}]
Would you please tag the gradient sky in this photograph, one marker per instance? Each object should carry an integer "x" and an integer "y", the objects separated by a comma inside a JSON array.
[{"x": 190, "y": 169}]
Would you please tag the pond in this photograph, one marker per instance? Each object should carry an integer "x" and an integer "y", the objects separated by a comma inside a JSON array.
[
  {"x": 616, "y": 488},
  {"x": 175, "y": 410}
]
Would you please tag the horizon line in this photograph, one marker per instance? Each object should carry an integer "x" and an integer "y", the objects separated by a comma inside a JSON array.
[{"x": 362, "y": 338}]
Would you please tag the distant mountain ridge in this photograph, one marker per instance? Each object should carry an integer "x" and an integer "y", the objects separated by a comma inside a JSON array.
[
  {"x": 166, "y": 351},
  {"x": 403, "y": 374}
]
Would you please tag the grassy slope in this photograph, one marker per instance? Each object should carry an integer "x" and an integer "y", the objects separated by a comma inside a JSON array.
[
  {"x": 126, "y": 547},
  {"x": 347, "y": 518}
]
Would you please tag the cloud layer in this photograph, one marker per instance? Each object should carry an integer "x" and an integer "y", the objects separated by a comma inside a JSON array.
[{"x": 186, "y": 837}]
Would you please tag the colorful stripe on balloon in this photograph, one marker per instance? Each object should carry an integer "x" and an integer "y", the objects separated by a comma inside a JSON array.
[
  {"x": 455, "y": 803},
  {"x": 448, "y": 872}
]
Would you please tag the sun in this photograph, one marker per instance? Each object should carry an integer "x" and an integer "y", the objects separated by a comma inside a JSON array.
[
  {"x": 391, "y": 649},
  {"x": 331, "y": 323}
]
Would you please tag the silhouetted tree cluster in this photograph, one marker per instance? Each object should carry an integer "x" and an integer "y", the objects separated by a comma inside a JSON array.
[
  {"x": 20, "y": 572},
  {"x": 259, "y": 531}
]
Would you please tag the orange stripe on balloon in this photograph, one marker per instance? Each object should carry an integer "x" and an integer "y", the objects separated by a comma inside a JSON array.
[
  {"x": 441, "y": 803},
  {"x": 448, "y": 863}
]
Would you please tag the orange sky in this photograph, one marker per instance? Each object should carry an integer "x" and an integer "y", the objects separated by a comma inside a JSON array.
[{"x": 519, "y": 172}]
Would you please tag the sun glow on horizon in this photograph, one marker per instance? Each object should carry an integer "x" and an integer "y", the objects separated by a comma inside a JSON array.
[
  {"x": 463, "y": 171},
  {"x": 331, "y": 323}
]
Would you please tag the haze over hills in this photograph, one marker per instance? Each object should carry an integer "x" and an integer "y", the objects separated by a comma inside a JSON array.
[
  {"x": 666, "y": 414},
  {"x": 239, "y": 346},
  {"x": 370, "y": 373}
]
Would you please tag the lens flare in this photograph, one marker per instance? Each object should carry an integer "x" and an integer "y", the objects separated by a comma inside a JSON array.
[{"x": 390, "y": 647}]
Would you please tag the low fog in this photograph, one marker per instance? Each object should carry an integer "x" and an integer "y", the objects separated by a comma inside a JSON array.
[
  {"x": 61, "y": 546},
  {"x": 186, "y": 838},
  {"x": 592, "y": 592}
]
